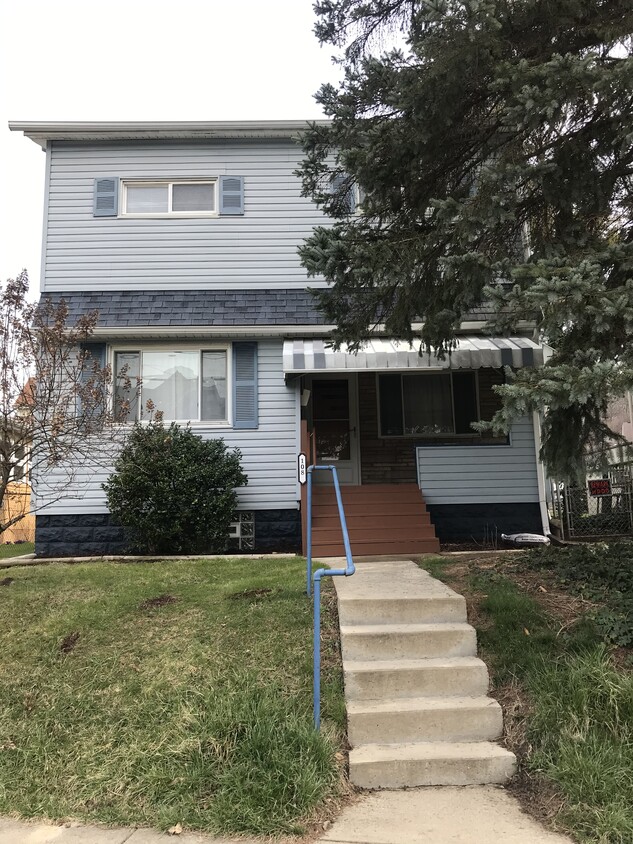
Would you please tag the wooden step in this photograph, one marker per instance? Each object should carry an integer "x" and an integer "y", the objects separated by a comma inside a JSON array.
[
  {"x": 379, "y": 533},
  {"x": 358, "y": 488},
  {"x": 391, "y": 494},
  {"x": 369, "y": 521},
  {"x": 411, "y": 546},
  {"x": 370, "y": 508}
]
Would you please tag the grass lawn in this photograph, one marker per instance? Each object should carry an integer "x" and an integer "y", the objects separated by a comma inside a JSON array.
[
  {"x": 18, "y": 550},
  {"x": 567, "y": 696},
  {"x": 175, "y": 692}
]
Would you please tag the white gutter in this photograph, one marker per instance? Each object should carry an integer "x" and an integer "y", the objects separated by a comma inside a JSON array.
[
  {"x": 40, "y": 132},
  {"x": 540, "y": 473},
  {"x": 211, "y": 331},
  {"x": 308, "y": 330}
]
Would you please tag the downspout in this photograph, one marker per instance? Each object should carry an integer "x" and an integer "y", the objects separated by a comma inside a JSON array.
[{"x": 540, "y": 473}]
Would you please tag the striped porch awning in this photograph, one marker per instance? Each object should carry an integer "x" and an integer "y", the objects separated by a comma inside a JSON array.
[{"x": 302, "y": 356}]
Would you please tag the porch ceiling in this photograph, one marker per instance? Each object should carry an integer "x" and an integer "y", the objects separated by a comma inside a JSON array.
[{"x": 300, "y": 356}]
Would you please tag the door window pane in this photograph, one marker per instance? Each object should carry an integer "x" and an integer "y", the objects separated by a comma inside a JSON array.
[
  {"x": 333, "y": 441},
  {"x": 331, "y": 399},
  {"x": 192, "y": 198},
  {"x": 170, "y": 380},
  {"x": 214, "y": 386},
  {"x": 330, "y": 415},
  {"x": 147, "y": 199}
]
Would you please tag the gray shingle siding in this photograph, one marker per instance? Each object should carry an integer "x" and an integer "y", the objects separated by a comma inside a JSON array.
[
  {"x": 136, "y": 308},
  {"x": 123, "y": 308}
]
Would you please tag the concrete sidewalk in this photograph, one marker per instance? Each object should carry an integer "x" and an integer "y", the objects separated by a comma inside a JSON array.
[
  {"x": 438, "y": 815},
  {"x": 16, "y": 832}
]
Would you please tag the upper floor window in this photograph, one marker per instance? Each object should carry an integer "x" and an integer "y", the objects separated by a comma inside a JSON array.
[
  {"x": 217, "y": 196},
  {"x": 193, "y": 197}
]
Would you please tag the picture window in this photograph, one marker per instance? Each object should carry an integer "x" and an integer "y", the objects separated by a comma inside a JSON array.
[{"x": 187, "y": 385}]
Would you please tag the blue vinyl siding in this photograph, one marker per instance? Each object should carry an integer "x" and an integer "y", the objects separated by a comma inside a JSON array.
[
  {"x": 481, "y": 474},
  {"x": 256, "y": 249},
  {"x": 269, "y": 453}
]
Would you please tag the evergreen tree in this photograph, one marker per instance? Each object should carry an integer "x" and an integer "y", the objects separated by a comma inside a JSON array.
[{"x": 493, "y": 152}]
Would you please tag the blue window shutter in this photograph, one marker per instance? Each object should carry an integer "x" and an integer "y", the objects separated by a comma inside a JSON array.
[
  {"x": 231, "y": 195},
  {"x": 94, "y": 351},
  {"x": 245, "y": 385},
  {"x": 106, "y": 198}
]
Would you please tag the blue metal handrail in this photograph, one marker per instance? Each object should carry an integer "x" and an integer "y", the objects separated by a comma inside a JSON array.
[{"x": 318, "y": 574}]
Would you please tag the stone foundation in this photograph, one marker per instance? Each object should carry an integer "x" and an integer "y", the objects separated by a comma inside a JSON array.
[
  {"x": 278, "y": 530},
  {"x": 85, "y": 535},
  {"x": 484, "y": 522}
]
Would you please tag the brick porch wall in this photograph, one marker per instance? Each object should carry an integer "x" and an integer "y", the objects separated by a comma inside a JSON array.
[{"x": 391, "y": 460}]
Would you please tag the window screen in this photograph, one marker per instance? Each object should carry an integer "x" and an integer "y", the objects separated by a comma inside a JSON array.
[
  {"x": 147, "y": 199},
  {"x": 193, "y": 198}
]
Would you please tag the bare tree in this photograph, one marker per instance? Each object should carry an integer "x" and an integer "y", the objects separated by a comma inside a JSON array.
[{"x": 56, "y": 411}]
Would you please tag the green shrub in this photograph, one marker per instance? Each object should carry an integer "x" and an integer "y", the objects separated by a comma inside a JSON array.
[{"x": 174, "y": 490}]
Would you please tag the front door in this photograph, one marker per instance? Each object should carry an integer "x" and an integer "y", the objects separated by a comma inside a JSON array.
[{"x": 335, "y": 426}]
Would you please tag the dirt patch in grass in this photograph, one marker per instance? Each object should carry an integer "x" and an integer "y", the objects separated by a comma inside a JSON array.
[
  {"x": 158, "y": 601},
  {"x": 250, "y": 594},
  {"x": 541, "y": 585},
  {"x": 69, "y": 642},
  {"x": 6, "y": 581}
]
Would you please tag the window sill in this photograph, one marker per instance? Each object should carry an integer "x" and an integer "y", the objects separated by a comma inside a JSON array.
[
  {"x": 197, "y": 423},
  {"x": 177, "y": 215},
  {"x": 463, "y": 443}
]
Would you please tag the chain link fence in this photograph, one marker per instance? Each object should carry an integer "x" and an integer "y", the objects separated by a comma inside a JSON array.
[{"x": 602, "y": 507}]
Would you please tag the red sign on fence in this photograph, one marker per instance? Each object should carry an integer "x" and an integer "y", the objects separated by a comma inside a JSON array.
[{"x": 600, "y": 486}]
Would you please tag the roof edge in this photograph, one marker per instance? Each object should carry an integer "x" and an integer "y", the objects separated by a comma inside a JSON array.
[{"x": 43, "y": 131}]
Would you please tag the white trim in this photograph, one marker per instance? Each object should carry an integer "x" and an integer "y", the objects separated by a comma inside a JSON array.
[
  {"x": 45, "y": 210},
  {"x": 169, "y": 184},
  {"x": 298, "y": 431},
  {"x": 540, "y": 473},
  {"x": 200, "y": 332},
  {"x": 43, "y": 131},
  {"x": 353, "y": 465}
]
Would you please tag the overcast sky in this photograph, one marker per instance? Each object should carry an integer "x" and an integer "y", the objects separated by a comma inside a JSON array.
[{"x": 141, "y": 60}]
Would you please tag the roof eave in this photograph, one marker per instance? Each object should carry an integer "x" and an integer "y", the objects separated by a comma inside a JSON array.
[{"x": 42, "y": 132}]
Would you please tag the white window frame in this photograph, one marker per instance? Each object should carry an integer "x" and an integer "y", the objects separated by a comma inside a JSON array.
[
  {"x": 169, "y": 184},
  {"x": 181, "y": 347}
]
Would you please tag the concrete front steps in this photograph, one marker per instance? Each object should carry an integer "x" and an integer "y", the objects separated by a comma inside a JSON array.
[
  {"x": 381, "y": 519},
  {"x": 417, "y": 705}
]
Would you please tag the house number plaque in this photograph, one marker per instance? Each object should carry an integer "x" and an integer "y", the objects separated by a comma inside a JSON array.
[{"x": 302, "y": 468}]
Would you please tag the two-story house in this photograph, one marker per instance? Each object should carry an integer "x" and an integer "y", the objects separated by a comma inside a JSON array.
[{"x": 184, "y": 236}]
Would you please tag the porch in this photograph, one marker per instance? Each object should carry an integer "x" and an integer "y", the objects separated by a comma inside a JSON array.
[{"x": 412, "y": 469}]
